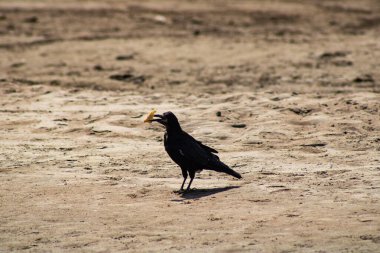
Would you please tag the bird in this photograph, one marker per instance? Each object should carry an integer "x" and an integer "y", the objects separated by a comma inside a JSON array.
[{"x": 189, "y": 154}]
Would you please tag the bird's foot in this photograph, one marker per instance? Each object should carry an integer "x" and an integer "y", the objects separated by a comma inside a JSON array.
[
  {"x": 180, "y": 191},
  {"x": 188, "y": 190}
]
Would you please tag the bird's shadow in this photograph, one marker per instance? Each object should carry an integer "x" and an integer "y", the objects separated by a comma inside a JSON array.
[{"x": 200, "y": 193}]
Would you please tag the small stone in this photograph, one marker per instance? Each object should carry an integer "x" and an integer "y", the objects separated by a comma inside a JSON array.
[
  {"x": 32, "y": 19},
  {"x": 125, "y": 57},
  {"x": 98, "y": 67},
  {"x": 239, "y": 125},
  {"x": 196, "y": 33},
  {"x": 364, "y": 78}
]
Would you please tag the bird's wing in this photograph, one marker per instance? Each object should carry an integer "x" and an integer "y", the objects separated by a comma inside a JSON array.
[
  {"x": 194, "y": 152},
  {"x": 207, "y": 147},
  {"x": 202, "y": 145}
]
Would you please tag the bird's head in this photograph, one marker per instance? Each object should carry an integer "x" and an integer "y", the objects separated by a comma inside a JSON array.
[{"x": 168, "y": 119}]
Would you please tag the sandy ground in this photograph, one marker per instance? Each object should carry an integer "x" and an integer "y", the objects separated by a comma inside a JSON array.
[{"x": 80, "y": 172}]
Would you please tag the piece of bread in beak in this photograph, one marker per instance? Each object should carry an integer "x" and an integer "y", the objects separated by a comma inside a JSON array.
[{"x": 150, "y": 116}]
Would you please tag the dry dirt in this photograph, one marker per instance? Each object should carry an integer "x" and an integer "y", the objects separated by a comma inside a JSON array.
[{"x": 80, "y": 172}]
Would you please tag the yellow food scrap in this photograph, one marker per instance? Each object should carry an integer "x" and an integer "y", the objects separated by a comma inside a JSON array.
[{"x": 150, "y": 116}]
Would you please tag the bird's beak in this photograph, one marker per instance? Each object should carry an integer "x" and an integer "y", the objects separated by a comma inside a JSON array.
[
  {"x": 158, "y": 116},
  {"x": 161, "y": 119}
]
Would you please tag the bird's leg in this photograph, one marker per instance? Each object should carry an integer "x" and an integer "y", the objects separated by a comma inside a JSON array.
[
  {"x": 184, "y": 174},
  {"x": 183, "y": 183},
  {"x": 192, "y": 175}
]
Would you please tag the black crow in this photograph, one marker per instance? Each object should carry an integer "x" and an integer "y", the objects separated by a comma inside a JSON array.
[{"x": 191, "y": 155}]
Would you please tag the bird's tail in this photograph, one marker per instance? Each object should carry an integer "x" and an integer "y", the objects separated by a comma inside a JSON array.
[{"x": 221, "y": 167}]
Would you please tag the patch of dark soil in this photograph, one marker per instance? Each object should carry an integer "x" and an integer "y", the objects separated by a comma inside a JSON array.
[{"x": 129, "y": 77}]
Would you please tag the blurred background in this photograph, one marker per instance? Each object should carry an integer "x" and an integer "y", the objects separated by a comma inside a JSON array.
[{"x": 200, "y": 44}]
